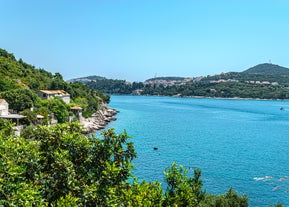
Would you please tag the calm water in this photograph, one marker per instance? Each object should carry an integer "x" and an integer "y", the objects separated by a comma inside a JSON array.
[{"x": 235, "y": 142}]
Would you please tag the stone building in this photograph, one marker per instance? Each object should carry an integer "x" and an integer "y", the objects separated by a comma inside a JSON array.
[
  {"x": 47, "y": 94},
  {"x": 4, "y": 107}
]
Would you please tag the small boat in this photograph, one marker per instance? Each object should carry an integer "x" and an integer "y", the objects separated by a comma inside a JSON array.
[{"x": 277, "y": 188}]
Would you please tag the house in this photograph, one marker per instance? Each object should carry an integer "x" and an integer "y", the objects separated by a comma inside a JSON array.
[
  {"x": 4, "y": 106},
  {"x": 47, "y": 94},
  {"x": 5, "y": 115},
  {"x": 77, "y": 111}
]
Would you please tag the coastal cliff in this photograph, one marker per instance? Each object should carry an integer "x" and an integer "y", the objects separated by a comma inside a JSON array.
[{"x": 98, "y": 120}]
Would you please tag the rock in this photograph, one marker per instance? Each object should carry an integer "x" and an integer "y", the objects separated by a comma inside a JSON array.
[{"x": 99, "y": 119}]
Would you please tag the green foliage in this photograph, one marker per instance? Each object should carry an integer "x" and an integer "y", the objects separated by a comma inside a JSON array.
[
  {"x": 143, "y": 194},
  {"x": 7, "y": 84},
  {"x": 66, "y": 201},
  {"x": 167, "y": 78},
  {"x": 89, "y": 99},
  {"x": 31, "y": 116},
  {"x": 58, "y": 108},
  {"x": 4, "y": 53},
  {"x": 6, "y": 127},
  {"x": 18, "y": 178},
  {"x": 81, "y": 170},
  {"x": 19, "y": 83},
  {"x": 114, "y": 86},
  {"x": 43, "y": 111},
  {"x": 240, "y": 89},
  {"x": 183, "y": 190},
  {"x": 231, "y": 198},
  {"x": 19, "y": 99},
  {"x": 246, "y": 84},
  {"x": 58, "y": 166},
  {"x": 267, "y": 68}
]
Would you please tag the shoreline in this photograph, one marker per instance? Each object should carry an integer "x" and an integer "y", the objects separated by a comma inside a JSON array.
[
  {"x": 99, "y": 119},
  {"x": 235, "y": 98},
  {"x": 208, "y": 97}
]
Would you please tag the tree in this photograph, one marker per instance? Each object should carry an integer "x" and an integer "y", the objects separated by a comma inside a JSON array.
[
  {"x": 95, "y": 171},
  {"x": 19, "y": 166},
  {"x": 183, "y": 190},
  {"x": 31, "y": 116},
  {"x": 231, "y": 198},
  {"x": 59, "y": 166},
  {"x": 59, "y": 109},
  {"x": 19, "y": 99}
]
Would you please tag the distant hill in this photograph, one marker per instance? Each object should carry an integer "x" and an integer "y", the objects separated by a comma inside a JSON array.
[
  {"x": 267, "y": 69},
  {"x": 166, "y": 79},
  {"x": 263, "y": 81},
  {"x": 86, "y": 79}
]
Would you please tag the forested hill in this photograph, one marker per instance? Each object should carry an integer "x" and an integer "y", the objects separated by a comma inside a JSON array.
[
  {"x": 267, "y": 69},
  {"x": 20, "y": 82},
  {"x": 166, "y": 79},
  {"x": 264, "y": 81},
  {"x": 86, "y": 79}
]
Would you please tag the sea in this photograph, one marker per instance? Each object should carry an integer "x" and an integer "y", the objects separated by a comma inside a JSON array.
[{"x": 242, "y": 144}]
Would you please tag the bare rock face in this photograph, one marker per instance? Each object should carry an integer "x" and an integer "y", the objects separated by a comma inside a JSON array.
[{"x": 99, "y": 119}]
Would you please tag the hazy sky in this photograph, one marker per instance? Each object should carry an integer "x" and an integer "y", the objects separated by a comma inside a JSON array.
[{"x": 138, "y": 39}]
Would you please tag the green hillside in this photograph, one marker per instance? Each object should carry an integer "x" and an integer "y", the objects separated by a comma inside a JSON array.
[
  {"x": 20, "y": 82},
  {"x": 166, "y": 78},
  {"x": 267, "y": 69},
  {"x": 264, "y": 81},
  {"x": 86, "y": 79}
]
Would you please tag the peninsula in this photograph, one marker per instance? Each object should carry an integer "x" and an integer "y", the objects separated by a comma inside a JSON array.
[{"x": 263, "y": 81}]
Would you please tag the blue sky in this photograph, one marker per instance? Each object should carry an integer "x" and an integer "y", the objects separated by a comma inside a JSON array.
[{"x": 138, "y": 39}]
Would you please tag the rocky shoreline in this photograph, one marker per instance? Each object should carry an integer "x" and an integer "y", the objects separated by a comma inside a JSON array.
[{"x": 98, "y": 120}]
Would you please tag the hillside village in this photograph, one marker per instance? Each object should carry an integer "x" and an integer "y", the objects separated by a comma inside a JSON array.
[
  {"x": 31, "y": 96},
  {"x": 250, "y": 82},
  {"x": 170, "y": 81},
  {"x": 97, "y": 121},
  {"x": 164, "y": 82}
]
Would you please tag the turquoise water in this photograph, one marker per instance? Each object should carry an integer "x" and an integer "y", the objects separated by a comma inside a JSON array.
[{"x": 235, "y": 142}]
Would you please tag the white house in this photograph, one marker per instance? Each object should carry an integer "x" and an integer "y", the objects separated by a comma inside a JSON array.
[
  {"x": 47, "y": 94},
  {"x": 4, "y": 106}
]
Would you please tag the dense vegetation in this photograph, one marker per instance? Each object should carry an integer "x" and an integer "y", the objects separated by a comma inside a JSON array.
[
  {"x": 58, "y": 166},
  {"x": 247, "y": 84},
  {"x": 166, "y": 78},
  {"x": 267, "y": 68},
  {"x": 20, "y": 82},
  {"x": 282, "y": 79},
  {"x": 111, "y": 86},
  {"x": 225, "y": 90},
  {"x": 86, "y": 79}
]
